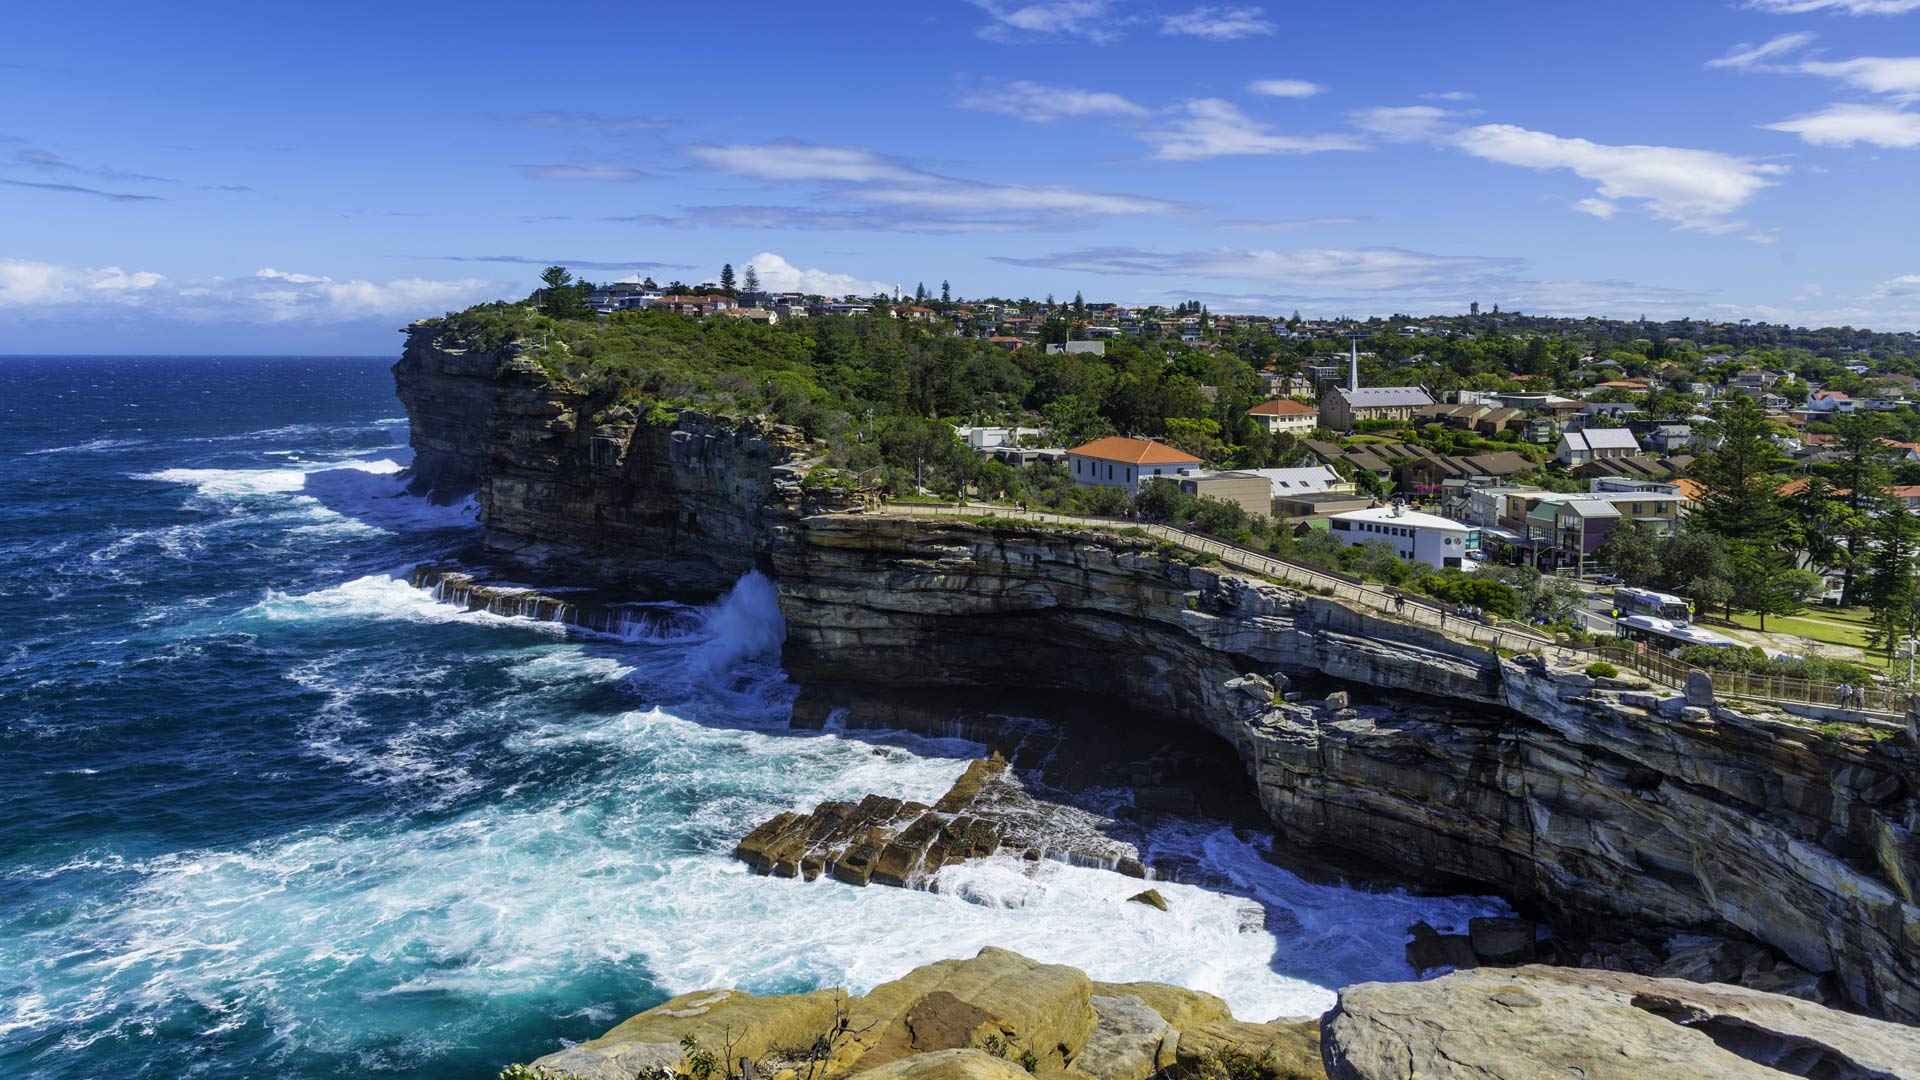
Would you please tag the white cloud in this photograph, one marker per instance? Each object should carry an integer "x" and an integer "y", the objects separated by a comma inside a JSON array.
[
  {"x": 1013, "y": 198},
  {"x": 1449, "y": 95},
  {"x": 1089, "y": 19},
  {"x": 46, "y": 290},
  {"x": 1836, "y": 7},
  {"x": 803, "y": 161},
  {"x": 1696, "y": 189},
  {"x": 778, "y": 275},
  {"x": 1370, "y": 269},
  {"x": 1216, "y": 128},
  {"x": 1845, "y": 125},
  {"x": 620, "y": 173},
  {"x": 1405, "y": 123},
  {"x": 1039, "y": 104},
  {"x": 1285, "y": 88},
  {"x": 1746, "y": 55},
  {"x": 1903, "y": 286},
  {"x": 1218, "y": 23},
  {"x": 1896, "y": 76},
  {"x": 1599, "y": 208}
]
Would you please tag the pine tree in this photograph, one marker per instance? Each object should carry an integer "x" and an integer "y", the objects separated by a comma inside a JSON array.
[
  {"x": 1079, "y": 302},
  {"x": 1892, "y": 594},
  {"x": 750, "y": 281},
  {"x": 726, "y": 277},
  {"x": 946, "y": 293},
  {"x": 920, "y": 292}
]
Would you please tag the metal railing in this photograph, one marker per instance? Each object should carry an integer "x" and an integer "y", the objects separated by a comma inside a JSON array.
[
  {"x": 1404, "y": 607},
  {"x": 1655, "y": 666}
]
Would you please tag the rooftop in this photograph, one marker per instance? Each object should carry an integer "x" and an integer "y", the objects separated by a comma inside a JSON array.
[
  {"x": 1134, "y": 451},
  {"x": 1410, "y": 518}
]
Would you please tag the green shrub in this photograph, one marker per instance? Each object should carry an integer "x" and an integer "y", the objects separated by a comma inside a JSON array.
[{"x": 1600, "y": 669}]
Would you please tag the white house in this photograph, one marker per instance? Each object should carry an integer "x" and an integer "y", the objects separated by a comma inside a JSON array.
[
  {"x": 1091, "y": 348},
  {"x": 1427, "y": 538},
  {"x": 1308, "y": 481},
  {"x": 1593, "y": 444},
  {"x": 1285, "y": 415},
  {"x": 1117, "y": 461}
]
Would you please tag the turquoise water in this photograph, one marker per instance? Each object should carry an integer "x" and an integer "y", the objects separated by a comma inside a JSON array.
[{"x": 271, "y": 812}]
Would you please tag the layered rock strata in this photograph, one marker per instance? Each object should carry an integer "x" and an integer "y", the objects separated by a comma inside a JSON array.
[
  {"x": 1595, "y": 804},
  {"x": 574, "y": 488},
  {"x": 1001, "y": 1016}
]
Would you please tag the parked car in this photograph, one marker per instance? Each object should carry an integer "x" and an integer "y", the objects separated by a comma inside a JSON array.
[{"x": 1609, "y": 579}]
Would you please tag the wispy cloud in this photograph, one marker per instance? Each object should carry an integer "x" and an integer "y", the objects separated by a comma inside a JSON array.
[
  {"x": 1213, "y": 127},
  {"x": 1448, "y": 95},
  {"x": 1367, "y": 269},
  {"x": 871, "y": 184},
  {"x": 77, "y": 189},
  {"x": 1835, "y": 7},
  {"x": 578, "y": 264},
  {"x": 1747, "y": 55},
  {"x": 589, "y": 173},
  {"x": 1285, "y": 88},
  {"x": 1695, "y": 189},
  {"x": 1405, "y": 123},
  {"x": 1846, "y": 125},
  {"x": 1288, "y": 224},
  {"x": 776, "y": 274},
  {"x": 35, "y": 290},
  {"x": 48, "y": 161},
  {"x": 807, "y": 219},
  {"x": 594, "y": 123},
  {"x": 1040, "y": 104},
  {"x": 1219, "y": 23},
  {"x": 1015, "y": 23}
]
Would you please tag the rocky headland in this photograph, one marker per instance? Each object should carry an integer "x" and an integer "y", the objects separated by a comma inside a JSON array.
[{"x": 1732, "y": 844}]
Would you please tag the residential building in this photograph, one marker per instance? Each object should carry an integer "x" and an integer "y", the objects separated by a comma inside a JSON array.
[
  {"x": 696, "y": 305},
  {"x": 1091, "y": 348},
  {"x": 1580, "y": 447},
  {"x": 1285, "y": 416},
  {"x": 1250, "y": 490},
  {"x": 1415, "y": 537},
  {"x": 1303, "y": 481},
  {"x": 1118, "y": 461}
]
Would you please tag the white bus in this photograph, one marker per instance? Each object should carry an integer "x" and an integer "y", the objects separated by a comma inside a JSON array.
[
  {"x": 1657, "y": 605},
  {"x": 1667, "y": 635}
]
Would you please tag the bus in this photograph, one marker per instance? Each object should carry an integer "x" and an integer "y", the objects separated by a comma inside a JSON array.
[
  {"x": 1658, "y": 605},
  {"x": 1666, "y": 635}
]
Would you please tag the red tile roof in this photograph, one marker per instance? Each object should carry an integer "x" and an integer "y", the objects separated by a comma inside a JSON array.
[
  {"x": 1282, "y": 407},
  {"x": 1134, "y": 452}
]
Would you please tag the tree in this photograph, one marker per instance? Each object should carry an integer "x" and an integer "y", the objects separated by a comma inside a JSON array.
[
  {"x": 726, "y": 277},
  {"x": 560, "y": 296},
  {"x": 1079, "y": 302},
  {"x": 920, "y": 292},
  {"x": 1631, "y": 551},
  {"x": 1861, "y": 475},
  {"x": 750, "y": 281},
  {"x": 1891, "y": 592},
  {"x": 946, "y": 293},
  {"x": 1743, "y": 505}
]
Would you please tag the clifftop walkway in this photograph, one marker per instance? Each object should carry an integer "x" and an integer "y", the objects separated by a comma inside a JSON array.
[{"x": 1872, "y": 705}]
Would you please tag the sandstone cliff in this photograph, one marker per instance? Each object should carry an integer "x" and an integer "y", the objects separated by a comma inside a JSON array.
[
  {"x": 1593, "y": 804},
  {"x": 1001, "y": 1016},
  {"x": 581, "y": 490}
]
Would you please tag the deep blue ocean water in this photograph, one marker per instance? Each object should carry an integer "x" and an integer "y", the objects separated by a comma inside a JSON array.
[{"x": 269, "y": 811}]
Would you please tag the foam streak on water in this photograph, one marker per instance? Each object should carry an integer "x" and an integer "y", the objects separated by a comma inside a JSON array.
[{"x": 277, "y": 813}]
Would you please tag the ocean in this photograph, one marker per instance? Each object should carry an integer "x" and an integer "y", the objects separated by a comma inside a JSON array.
[{"x": 270, "y": 811}]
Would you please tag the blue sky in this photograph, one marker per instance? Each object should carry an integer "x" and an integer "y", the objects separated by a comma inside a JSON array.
[{"x": 240, "y": 178}]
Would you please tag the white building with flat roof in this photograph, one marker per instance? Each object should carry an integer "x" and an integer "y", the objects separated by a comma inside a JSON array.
[{"x": 1415, "y": 537}]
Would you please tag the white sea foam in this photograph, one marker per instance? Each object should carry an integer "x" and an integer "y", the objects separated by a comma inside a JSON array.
[{"x": 366, "y": 492}]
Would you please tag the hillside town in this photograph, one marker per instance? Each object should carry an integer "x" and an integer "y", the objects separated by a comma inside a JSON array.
[{"x": 1547, "y": 469}]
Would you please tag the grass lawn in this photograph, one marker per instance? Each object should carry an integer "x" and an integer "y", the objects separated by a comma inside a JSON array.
[{"x": 1831, "y": 626}]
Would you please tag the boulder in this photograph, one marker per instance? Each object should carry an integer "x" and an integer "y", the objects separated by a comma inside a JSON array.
[
  {"x": 1180, "y": 1007},
  {"x": 1236, "y": 1050},
  {"x": 1149, "y": 897},
  {"x": 949, "y": 1065},
  {"x": 1539, "y": 1021},
  {"x": 729, "y": 1021},
  {"x": 1500, "y": 940},
  {"x": 1432, "y": 949},
  {"x": 1130, "y": 1041},
  {"x": 1044, "y": 1008}
]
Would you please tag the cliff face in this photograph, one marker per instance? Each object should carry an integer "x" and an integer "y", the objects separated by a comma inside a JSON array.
[
  {"x": 1595, "y": 803},
  {"x": 593, "y": 495}
]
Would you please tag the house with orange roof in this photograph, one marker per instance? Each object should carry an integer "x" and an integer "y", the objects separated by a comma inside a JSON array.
[
  {"x": 1285, "y": 415},
  {"x": 1123, "y": 462}
]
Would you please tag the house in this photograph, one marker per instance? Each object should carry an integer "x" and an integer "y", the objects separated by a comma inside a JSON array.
[
  {"x": 1250, "y": 490},
  {"x": 1284, "y": 415},
  {"x": 1091, "y": 348},
  {"x": 1580, "y": 447},
  {"x": 1415, "y": 537},
  {"x": 1304, "y": 481},
  {"x": 696, "y": 305},
  {"x": 1343, "y": 407},
  {"x": 1118, "y": 461},
  {"x": 1010, "y": 344}
]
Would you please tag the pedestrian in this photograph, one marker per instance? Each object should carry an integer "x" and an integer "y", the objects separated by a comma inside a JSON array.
[{"x": 1846, "y": 695}]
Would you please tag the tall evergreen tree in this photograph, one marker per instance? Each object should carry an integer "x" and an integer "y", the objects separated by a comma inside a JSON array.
[
  {"x": 1861, "y": 477},
  {"x": 750, "y": 281},
  {"x": 1892, "y": 594},
  {"x": 920, "y": 292},
  {"x": 1743, "y": 506},
  {"x": 726, "y": 277},
  {"x": 946, "y": 293}
]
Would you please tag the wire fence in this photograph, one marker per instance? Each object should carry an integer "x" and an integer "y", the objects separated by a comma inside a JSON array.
[{"x": 1419, "y": 611}]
